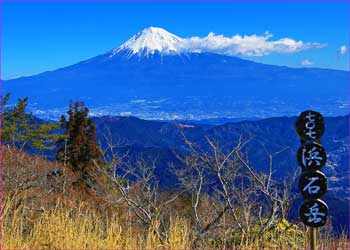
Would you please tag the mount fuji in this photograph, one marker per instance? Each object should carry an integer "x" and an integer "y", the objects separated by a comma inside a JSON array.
[
  {"x": 150, "y": 41},
  {"x": 154, "y": 76}
]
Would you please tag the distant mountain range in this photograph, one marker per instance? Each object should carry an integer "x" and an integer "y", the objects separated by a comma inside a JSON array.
[
  {"x": 273, "y": 133},
  {"x": 150, "y": 77}
]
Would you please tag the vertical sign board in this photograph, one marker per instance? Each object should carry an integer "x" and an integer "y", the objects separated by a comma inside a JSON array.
[{"x": 311, "y": 157}]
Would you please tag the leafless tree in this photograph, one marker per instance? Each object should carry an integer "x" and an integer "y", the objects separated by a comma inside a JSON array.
[
  {"x": 248, "y": 197},
  {"x": 138, "y": 186}
]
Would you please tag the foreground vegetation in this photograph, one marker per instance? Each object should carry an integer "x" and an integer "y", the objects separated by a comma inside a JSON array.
[
  {"x": 93, "y": 197},
  {"x": 85, "y": 228},
  {"x": 44, "y": 208}
]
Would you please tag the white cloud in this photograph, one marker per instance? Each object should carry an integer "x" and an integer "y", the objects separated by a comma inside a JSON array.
[
  {"x": 306, "y": 62},
  {"x": 342, "y": 50},
  {"x": 247, "y": 45},
  {"x": 157, "y": 39}
]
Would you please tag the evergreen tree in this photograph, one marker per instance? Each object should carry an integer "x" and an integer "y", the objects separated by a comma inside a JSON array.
[
  {"x": 77, "y": 147},
  {"x": 20, "y": 129}
]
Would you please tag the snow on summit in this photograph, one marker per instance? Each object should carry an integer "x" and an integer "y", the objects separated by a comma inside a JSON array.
[
  {"x": 150, "y": 40},
  {"x": 154, "y": 39}
]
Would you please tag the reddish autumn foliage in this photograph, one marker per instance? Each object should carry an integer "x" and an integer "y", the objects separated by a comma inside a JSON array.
[{"x": 77, "y": 147}]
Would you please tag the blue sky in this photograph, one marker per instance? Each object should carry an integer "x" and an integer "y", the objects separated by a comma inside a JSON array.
[{"x": 44, "y": 36}]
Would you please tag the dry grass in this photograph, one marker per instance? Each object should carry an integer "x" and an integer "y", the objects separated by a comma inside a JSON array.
[{"x": 83, "y": 228}]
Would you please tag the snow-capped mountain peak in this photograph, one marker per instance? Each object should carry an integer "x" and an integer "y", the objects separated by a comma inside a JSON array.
[{"x": 149, "y": 41}]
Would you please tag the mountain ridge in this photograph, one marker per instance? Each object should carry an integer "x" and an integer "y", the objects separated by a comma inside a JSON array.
[{"x": 183, "y": 86}]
